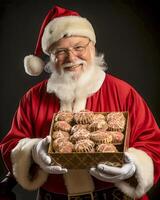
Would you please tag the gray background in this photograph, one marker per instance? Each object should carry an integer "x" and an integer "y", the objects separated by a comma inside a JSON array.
[{"x": 127, "y": 32}]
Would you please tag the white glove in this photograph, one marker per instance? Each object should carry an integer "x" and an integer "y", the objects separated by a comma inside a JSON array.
[
  {"x": 40, "y": 156},
  {"x": 114, "y": 174}
]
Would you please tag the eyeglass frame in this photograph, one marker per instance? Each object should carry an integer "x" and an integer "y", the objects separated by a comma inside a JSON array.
[{"x": 66, "y": 50}]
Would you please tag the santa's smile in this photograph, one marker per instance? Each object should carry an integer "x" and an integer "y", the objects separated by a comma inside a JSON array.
[{"x": 73, "y": 67}]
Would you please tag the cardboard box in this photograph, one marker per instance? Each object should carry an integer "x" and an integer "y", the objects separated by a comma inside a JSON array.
[{"x": 86, "y": 160}]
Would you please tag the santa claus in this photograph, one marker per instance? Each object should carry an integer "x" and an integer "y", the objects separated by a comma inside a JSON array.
[{"x": 78, "y": 82}]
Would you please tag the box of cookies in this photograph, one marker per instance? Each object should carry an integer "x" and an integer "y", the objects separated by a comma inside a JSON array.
[{"x": 84, "y": 139}]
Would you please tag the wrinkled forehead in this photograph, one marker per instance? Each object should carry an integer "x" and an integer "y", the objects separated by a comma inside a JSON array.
[{"x": 70, "y": 41}]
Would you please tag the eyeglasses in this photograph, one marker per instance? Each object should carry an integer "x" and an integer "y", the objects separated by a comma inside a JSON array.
[{"x": 77, "y": 50}]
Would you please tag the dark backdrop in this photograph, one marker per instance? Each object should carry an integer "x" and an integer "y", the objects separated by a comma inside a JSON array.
[{"x": 127, "y": 32}]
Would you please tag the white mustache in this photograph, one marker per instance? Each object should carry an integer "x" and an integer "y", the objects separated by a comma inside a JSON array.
[{"x": 78, "y": 62}]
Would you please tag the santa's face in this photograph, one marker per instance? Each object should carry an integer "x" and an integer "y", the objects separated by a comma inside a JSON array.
[{"x": 73, "y": 55}]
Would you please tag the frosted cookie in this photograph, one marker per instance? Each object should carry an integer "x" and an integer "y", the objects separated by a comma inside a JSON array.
[
  {"x": 116, "y": 121},
  {"x": 62, "y": 125},
  {"x": 117, "y": 137},
  {"x": 58, "y": 142},
  {"x": 100, "y": 137},
  {"x": 65, "y": 147},
  {"x": 78, "y": 127},
  {"x": 60, "y": 134},
  {"x": 98, "y": 116},
  {"x": 64, "y": 116},
  {"x": 83, "y": 117},
  {"x": 80, "y": 135},
  {"x": 107, "y": 147},
  {"x": 98, "y": 124},
  {"x": 84, "y": 146}
]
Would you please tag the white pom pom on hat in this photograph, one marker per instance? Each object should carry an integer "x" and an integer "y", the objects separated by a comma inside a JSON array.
[
  {"x": 33, "y": 65},
  {"x": 58, "y": 23}
]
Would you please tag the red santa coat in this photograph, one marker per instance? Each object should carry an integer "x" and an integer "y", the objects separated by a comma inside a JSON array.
[{"x": 33, "y": 120}]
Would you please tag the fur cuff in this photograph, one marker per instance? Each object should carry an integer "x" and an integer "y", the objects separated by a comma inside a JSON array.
[
  {"x": 144, "y": 174},
  {"x": 78, "y": 181},
  {"x": 21, "y": 162}
]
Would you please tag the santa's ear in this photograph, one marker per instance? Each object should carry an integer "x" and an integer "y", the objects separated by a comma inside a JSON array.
[{"x": 33, "y": 65}]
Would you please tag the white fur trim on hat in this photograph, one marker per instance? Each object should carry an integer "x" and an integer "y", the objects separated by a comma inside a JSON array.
[
  {"x": 144, "y": 174},
  {"x": 33, "y": 65},
  {"x": 21, "y": 162},
  {"x": 66, "y": 26}
]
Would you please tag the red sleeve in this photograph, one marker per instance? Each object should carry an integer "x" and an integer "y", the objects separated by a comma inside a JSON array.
[
  {"x": 21, "y": 128},
  {"x": 145, "y": 133}
]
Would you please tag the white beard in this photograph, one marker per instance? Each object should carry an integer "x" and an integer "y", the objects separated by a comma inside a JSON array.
[{"x": 73, "y": 91}]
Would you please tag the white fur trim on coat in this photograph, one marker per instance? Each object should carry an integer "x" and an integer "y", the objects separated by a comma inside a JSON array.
[
  {"x": 21, "y": 162},
  {"x": 66, "y": 26},
  {"x": 144, "y": 174},
  {"x": 78, "y": 181}
]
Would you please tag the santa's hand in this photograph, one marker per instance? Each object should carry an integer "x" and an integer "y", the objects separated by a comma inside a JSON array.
[
  {"x": 114, "y": 174},
  {"x": 40, "y": 156}
]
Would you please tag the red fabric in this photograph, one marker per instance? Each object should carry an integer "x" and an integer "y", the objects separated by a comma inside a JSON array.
[
  {"x": 55, "y": 12},
  {"x": 34, "y": 115},
  {"x": 145, "y": 197}
]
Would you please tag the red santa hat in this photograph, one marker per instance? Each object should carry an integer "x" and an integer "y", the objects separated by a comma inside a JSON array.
[{"x": 58, "y": 23}]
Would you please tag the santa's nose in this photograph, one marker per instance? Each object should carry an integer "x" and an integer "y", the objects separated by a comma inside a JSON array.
[{"x": 71, "y": 56}]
